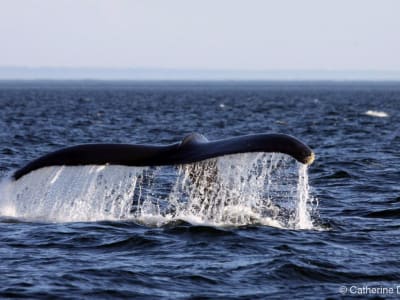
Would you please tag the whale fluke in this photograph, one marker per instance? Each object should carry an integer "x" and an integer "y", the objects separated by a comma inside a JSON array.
[{"x": 194, "y": 147}]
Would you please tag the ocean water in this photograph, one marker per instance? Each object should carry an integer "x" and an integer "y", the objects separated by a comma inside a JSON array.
[{"x": 264, "y": 227}]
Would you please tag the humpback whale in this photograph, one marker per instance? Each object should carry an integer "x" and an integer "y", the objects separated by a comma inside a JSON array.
[{"x": 193, "y": 148}]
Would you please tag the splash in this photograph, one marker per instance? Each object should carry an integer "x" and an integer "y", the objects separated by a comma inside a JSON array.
[
  {"x": 304, "y": 203},
  {"x": 235, "y": 190},
  {"x": 87, "y": 193}
]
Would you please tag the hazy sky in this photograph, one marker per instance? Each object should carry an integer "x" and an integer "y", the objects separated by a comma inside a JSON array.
[{"x": 203, "y": 34}]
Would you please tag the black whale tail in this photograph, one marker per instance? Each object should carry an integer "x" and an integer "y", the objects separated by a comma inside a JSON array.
[{"x": 194, "y": 147}]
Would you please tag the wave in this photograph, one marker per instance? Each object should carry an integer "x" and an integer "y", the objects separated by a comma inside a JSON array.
[
  {"x": 375, "y": 113},
  {"x": 393, "y": 213}
]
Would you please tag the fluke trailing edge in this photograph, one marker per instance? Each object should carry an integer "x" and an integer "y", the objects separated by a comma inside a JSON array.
[{"x": 194, "y": 147}]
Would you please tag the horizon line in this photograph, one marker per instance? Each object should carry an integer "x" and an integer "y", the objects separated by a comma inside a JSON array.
[{"x": 186, "y": 74}]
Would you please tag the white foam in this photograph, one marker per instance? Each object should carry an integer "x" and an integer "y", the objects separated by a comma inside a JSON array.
[
  {"x": 234, "y": 190},
  {"x": 375, "y": 113}
]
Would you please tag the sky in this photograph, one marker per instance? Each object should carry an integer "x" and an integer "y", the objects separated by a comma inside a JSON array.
[{"x": 207, "y": 34}]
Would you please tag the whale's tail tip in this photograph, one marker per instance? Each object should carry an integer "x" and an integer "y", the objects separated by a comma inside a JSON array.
[{"x": 309, "y": 159}]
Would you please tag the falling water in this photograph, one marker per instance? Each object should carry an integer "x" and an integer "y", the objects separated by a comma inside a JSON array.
[
  {"x": 303, "y": 219},
  {"x": 234, "y": 190},
  {"x": 87, "y": 193}
]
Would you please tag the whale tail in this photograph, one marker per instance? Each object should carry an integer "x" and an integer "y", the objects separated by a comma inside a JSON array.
[{"x": 193, "y": 148}]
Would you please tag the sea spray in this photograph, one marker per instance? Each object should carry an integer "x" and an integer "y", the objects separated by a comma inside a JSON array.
[
  {"x": 235, "y": 190},
  {"x": 303, "y": 218},
  {"x": 228, "y": 190},
  {"x": 85, "y": 193},
  {"x": 7, "y": 207}
]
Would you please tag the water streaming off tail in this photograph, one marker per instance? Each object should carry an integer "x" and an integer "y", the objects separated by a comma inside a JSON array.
[
  {"x": 242, "y": 189},
  {"x": 86, "y": 193}
]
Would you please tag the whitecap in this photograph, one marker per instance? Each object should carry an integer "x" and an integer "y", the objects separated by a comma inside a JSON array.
[{"x": 375, "y": 113}]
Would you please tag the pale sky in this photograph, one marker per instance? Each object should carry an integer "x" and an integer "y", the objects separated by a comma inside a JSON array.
[{"x": 203, "y": 34}]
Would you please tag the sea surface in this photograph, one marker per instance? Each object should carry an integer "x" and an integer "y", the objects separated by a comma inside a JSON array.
[{"x": 274, "y": 229}]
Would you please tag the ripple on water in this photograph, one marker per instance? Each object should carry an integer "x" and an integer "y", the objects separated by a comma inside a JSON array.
[{"x": 355, "y": 179}]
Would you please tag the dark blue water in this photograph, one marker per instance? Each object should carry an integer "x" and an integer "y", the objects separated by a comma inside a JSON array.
[{"x": 355, "y": 242}]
